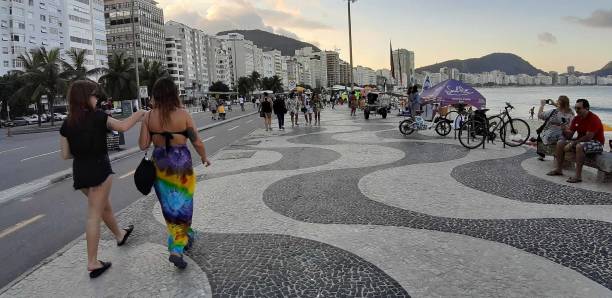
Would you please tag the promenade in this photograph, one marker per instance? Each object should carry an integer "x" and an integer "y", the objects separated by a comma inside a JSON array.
[{"x": 354, "y": 208}]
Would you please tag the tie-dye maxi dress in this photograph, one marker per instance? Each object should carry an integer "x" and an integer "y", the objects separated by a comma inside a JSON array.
[{"x": 174, "y": 186}]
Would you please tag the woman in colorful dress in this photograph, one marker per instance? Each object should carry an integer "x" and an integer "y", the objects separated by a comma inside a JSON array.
[
  {"x": 83, "y": 138},
  {"x": 168, "y": 126}
]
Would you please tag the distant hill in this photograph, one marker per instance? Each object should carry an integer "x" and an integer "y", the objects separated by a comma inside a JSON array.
[
  {"x": 268, "y": 41},
  {"x": 509, "y": 63},
  {"x": 605, "y": 71}
]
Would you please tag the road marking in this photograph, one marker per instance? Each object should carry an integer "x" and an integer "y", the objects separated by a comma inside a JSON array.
[
  {"x": 206, "y": 140},
  {"x": 20, "y": 225},
  {"x": 249, "y": 121},
  {"x": 41, "y": 155},
  {"x": 233, "y": 128},
  {"x": 14, "y": 149},
  {"x": 130, "y": 173}
]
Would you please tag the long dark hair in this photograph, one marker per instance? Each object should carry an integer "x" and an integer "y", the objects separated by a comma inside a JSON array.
[
  {"x": 78, "y": 97},
  {"x": 166, "y": 99}
]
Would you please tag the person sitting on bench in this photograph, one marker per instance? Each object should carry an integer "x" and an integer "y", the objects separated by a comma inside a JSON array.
[{"x": 590, "y": 140}]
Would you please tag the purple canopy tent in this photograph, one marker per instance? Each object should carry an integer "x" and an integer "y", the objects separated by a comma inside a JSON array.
[{"x": 451, "y": 92}]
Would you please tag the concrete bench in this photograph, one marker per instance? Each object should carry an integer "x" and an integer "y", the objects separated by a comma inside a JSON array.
[{"x": 602, "y": 162}]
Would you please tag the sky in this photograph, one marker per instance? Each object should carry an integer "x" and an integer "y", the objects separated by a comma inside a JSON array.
[{"x": 550, "y": 34}]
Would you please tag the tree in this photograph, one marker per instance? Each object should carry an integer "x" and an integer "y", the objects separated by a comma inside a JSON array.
[
  {"x": 10, "y": 83},
  {"x": 219, "y": 87},
  {"x": 150, "y": 72},
  {"x": 255, "y": 80},
  {"x": 244, "y": 85},
  {"x": 119, "y": 79},
  {"x": 274, "y": 84},
  {"x": 75, "y": 68},
  {"x": 42, "y": 77}
]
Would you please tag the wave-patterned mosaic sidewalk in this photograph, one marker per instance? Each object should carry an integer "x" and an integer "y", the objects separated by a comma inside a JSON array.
[{"x": 355, "y": 209}]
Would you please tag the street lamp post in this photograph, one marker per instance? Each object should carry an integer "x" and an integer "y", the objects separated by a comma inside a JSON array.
[
  {"x": 350, "y": 43},
  {"x": 135, "y": 52}
]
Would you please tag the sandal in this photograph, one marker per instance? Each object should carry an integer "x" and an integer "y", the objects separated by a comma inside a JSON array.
[
  {"x": 178, "y": 261},
  {"x": 128, "y": 231},
  {"x": 554, "y": 173},
  {"x": 574, "y": 180},
  {"x": 97, "y": 272}
]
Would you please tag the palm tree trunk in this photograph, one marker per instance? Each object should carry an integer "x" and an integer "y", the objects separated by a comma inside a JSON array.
[
  {"x": 51, "y": 102},
  {"x": 39, "y": 111}
]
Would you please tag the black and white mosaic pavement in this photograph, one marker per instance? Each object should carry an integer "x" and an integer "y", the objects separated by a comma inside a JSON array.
[
  {"x": 309, "y": 213},
  {"x": 506, "y": 178}
]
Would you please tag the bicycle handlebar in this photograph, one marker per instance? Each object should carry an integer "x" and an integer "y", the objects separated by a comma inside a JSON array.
[{"x": 509, "y": 106}]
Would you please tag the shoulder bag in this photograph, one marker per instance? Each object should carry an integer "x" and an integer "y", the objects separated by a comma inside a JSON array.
[{"x": 145, "y": 174}]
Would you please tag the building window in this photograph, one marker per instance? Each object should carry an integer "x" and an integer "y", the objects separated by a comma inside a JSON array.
[
  {"x": 6, "y": 63},
  {"x": 43, "y": 17}
]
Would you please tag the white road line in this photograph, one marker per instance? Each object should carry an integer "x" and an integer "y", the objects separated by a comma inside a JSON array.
[
  {"x": 130, "y": 173},
  {"x": 249, "y": 121},
  {"x": 41, "y": 155},
  {"x": 233, "y": 128},
  {"x": 206, "y": 140},
  {"x": 14, "y": 149},
  {"x": 20, "y": 225}
]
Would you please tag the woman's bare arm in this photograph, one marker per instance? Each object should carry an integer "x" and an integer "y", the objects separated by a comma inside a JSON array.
[
  {"x": 125, "y": 125},
  {"x": 65, "y": 148},
  {"x": 144, "y": 140},
  {"x": 194, "y": 137}
]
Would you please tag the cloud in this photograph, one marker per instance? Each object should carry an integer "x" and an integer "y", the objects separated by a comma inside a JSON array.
[
  {"x": 547, "y": 37},
  {"x": 600, "y": 18},
  {"x": 220, "y": 15}
]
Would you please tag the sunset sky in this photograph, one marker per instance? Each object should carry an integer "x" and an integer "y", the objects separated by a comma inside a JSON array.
[{"x": 551, "y": 34}]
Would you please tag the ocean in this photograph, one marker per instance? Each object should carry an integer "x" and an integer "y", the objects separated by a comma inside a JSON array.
[{"x": 523, "y": 98}]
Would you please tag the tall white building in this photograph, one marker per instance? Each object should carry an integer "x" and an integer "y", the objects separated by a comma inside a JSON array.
[
  {"x": 403, "y": 61},
  {"x": 364, "y": 76},
  {"x": 268, "y": 65},
  {"x": 243, "y": 56},
  {"x": 63, "y": 24},
  {"x": 219, "y": 68},
  {"x": 193, "y": 44},
  {"x": 86, "y": 30}
]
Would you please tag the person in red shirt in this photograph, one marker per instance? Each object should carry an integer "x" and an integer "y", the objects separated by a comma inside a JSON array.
[{"x": 590, "y": 140}]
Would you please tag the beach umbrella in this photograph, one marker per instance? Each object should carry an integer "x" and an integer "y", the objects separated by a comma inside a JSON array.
[{"x": 451, "y": 92}]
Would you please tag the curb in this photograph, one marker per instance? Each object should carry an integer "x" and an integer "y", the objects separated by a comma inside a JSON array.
[{"x": 39, "y": 184}]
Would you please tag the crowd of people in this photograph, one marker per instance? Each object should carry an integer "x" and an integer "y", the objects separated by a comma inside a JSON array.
[{"x": 294, "y": 104}]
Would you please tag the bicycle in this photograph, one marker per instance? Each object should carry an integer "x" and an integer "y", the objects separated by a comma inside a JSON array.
[
  {"x": 412, "y": 124},
  {"x": 479, "y": 128}
]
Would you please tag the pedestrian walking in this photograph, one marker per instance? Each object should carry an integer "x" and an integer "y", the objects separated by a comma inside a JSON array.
[
  {"x": 307, "y": 109},
  {"x": 221, "y": 111},
  {"x": 212, "y": 106},
  {"x": 266, "y": 111},
  {"x": 531, "y": 112},
  {"x": 293, "y": 108},
  {"x": 317, "y": 107},
  {"x": 168, "y": 126},
  {"x": 241, "y": 101},
  {"x": 334, "y": 100},
  {"x": 83, "y": 139},
  {"x": 258, "y": 102},
  {"x": 280, "y": 109},
  {"x": 353, "y": 104}
]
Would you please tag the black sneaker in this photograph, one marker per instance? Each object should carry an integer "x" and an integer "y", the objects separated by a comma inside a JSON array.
[{"x": 178, "y": 261}]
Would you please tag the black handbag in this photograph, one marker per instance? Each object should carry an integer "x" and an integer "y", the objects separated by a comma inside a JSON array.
[{"x": 145, "y": 175}]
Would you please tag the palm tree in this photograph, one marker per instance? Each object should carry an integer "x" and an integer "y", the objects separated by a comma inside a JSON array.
[
  {"x": 42, "y": 77},
  {"x": 10, "y": 83},
  {"x": 75, "y": 69},
  {"x": 219, "y": 87},
  {"x": 119, "y": 80},
  {"x": 274, "y": 84},
  {"x": 150, "y": 72},
  {"x": 244, "y": 85},
  {"x": 255, "y": 80}
]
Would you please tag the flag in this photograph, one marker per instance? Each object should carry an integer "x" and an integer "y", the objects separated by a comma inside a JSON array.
[{"x": 392, "y": 64}]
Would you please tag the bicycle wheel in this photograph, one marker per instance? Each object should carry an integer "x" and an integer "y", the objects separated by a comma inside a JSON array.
[
  {"x": 406, "y": 127},
  {"x": 515, "y": 133},
  {"x": 443, "y": 128},
  {"x": 472, "y": 133}
]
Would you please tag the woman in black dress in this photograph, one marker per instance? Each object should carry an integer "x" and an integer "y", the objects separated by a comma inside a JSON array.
[
  {"x": 83, "y": 137},
  {"x": 266, "y": 109}
]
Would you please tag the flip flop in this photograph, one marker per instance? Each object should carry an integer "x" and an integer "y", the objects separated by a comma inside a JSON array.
[
  {"x": 178, "y": 261},
  {"x": 554, "y": 173},
  {"x": 97, "y": 272},
  {"x": 128, "y": 231},
  {"x": 574, "y": 180}
]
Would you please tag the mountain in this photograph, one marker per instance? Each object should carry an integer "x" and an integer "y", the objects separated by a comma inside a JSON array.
[
  {"x": 509, "y": 63},
  {"x": 268, "y": 41},
  {"x": 605, "y": 71}
]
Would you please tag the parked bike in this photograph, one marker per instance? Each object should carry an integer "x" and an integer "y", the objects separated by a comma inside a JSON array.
[{"x": 479, "y": 128}]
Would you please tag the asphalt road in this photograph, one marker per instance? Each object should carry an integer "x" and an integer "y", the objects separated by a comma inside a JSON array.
[
  {"x": 28, "y": 157},
  {"x": 35, "y": 227}
]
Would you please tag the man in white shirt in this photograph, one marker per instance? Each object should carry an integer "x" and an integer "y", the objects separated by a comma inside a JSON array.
[{"x": 241, "y": 101}]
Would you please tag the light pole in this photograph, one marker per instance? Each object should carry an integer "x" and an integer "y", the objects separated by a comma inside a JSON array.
[
  {"x": 350, "y": 43},
  {"x": 135, "y": 52}
]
